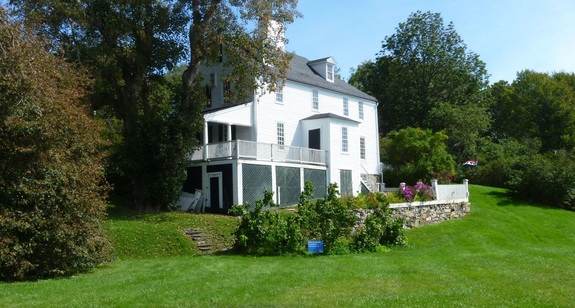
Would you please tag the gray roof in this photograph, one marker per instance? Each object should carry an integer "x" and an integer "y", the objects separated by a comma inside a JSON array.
[
  {"x": 301, "y": 72},
  {"x": 328, "y": 116}
]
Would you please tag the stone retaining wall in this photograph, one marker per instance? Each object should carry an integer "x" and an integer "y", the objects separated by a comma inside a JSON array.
[{"x": 416, "y": 214}]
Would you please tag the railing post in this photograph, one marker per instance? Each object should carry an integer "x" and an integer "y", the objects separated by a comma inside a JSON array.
[
  {"x": 466, "y": 183},
  {"x": 434, "y": 187}
]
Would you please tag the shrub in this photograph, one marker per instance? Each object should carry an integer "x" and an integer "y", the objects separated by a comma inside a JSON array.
[
  {"x": 263, "y": 231},
  {"x": 380, "y": 230},
  {"x": 267, "y": 232},
  {"x": 52, "y": 197},
  {"x": 326, "y": 219}
]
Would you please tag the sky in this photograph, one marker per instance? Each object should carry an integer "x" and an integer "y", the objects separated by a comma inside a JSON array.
[{"x": 508, "y": 35}]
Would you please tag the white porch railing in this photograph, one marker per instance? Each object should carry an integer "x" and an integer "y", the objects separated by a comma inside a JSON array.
[{"x": 243, "y": 149}]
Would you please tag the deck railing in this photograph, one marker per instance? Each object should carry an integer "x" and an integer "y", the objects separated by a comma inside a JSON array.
[{"x": 242, "y": 149}]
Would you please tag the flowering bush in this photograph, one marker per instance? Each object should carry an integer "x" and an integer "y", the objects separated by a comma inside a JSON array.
[
  {"x": 419, "y": 192},
  {"x": 422, "y": 192}
]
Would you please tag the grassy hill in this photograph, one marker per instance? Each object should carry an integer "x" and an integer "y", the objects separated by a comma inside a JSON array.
[{"x": 504, "y": 253}]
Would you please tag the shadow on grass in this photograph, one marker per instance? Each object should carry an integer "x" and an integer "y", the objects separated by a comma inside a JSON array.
[{"x": 509, "y": 198}]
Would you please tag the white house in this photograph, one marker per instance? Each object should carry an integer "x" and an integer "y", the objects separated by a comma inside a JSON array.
[{"x": 316, "y": 128}]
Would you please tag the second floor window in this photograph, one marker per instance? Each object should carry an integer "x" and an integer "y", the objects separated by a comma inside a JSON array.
[
  {"x": 360, "y": 106},
  {"x": 281, "y": 135},
  {"x": 279, "y": 92},
  {"x": 315, "y": 100},
  {"x": 344, "y": 143},
  {"x": 345, "y": 106},
  {"x": 362, "y": 147},
  {"x": 227, "y": 94}
]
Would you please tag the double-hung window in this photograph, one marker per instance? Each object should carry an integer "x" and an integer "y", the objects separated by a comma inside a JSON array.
[
  {"x": 345, "y": 106},
  {"x": 344, "y": 141},
  {"x": 360, "y": 107},
  {"x": 279, "y": 92},
  {"x": 362, "y": 147},
  {"x": 280, "y": 135},
  {"x": 330, "y": 73},
  {"x": 315, "y": 100}
]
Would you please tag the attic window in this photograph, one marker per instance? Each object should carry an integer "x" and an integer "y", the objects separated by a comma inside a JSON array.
[{"x": 330, "y": 68}]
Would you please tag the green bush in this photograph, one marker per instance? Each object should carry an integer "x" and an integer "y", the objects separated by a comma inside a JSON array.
[
  {"x": 380, "y": 230},
  {"x": 52, "y": 191},
  {"x": 326, "y": 219},
  {"x": 264, "y": 231}
]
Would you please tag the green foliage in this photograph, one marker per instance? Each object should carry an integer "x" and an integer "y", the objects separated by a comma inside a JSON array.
[
  {"x": 327, "y": 219},
  {"x": 548, "y": 179},
  {"x": 52, "y": 188},
  {"x": 424, "y": 63},
  {"x": 263, "y": 231},
  {"x": 129, "y": 45},
  {"x": 411, "y": 154}
]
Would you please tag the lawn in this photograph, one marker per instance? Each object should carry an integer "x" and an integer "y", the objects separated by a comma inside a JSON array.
[{"x": 504, "y": 253}]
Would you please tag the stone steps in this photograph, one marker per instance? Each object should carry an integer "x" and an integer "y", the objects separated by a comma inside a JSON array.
[{"x": 198, "y": 236}]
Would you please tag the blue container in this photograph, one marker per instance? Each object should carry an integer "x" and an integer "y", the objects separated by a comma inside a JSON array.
[{"x": 315, "y": 246}]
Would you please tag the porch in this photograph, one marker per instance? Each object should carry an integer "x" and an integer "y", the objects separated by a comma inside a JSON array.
[{"x": 251, "y": 150}]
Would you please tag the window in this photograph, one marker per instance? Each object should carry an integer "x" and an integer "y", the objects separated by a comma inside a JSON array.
[
  {"x": 208, "y": 92},
  {"x": 279, "y": 92},
  {"x": 330, "y": 68},
  {"x": 344, "y": 144},
  {"x": 281, "y": 135},
  {"x": 315, "y": 100},
  {"x": 345, "y": 106},
  {"x": 213, "y": 80},
  {"x": 360, "y": 106},
  {"x": 362, "y": 147},
  {"x": 227, "y": 87}
]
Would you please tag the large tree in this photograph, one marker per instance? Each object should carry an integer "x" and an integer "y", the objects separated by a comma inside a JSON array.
[
  {"x": 129, "y": 45},
  {"x": 52, "y": 191},
  {"x": 536, "y": 106},
  {"x": 425, "y": 63}
]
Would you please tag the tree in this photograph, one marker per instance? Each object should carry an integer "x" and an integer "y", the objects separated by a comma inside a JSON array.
[
  {"x": 420, "y": 66},
  {"x": 129, "y": 46},
  {"x": 536, "y": 106},
  {"x": 411, "y": 154},
  {"x": 52, "y": 192}
]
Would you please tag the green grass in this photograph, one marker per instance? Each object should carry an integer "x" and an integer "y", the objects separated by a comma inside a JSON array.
[{"x": 505, "y": 253}]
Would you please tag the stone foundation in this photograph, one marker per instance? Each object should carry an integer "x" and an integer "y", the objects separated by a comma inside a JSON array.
[{"x": 416, "y": 214}]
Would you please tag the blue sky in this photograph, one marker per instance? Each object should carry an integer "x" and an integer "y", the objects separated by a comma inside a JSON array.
[{"x": 508, "y": 35}]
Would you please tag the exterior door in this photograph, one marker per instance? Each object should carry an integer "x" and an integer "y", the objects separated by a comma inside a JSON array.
[
  {"x": 314, "y": 139},
  {"x": 215, "y": 192}
]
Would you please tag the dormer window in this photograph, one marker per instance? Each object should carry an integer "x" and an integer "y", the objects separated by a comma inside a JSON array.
[
  {"x": 325, "y": 67},
  {"x": 330, "y": 73}
]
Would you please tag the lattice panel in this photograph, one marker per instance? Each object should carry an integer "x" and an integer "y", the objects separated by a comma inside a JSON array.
[
  {"x": 289, "y": 185},
  {"x": 256, "y": 179},
  {"x": 319, "y": 180}
]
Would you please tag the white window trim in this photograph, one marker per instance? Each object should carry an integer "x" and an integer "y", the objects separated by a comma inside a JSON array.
[
  {"x": 344, "y": 140},
  {"x": 362, "y": 148},
  {"x": 280, "y": 93},
  {"x": 330, "y": 72},
  {"x": 280, "y": 134},
  {"x": 346, "y": 106},
  {"x": 360, "y": 110},
  {"x": 315, "y": 99}
]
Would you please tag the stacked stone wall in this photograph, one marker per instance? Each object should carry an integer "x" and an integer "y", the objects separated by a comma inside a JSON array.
[{"x": 420, "y": 213}]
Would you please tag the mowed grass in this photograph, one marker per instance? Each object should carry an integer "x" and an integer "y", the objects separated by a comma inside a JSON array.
[{"x": 505, "y": 253}]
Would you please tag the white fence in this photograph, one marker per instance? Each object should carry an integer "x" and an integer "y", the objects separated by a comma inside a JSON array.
[{"x": 444, "y": 193}]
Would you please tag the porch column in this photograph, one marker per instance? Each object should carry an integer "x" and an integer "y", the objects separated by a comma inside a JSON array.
[
  {"x": 229, "y": 132},
  {"x": 206, "y": 140}
]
